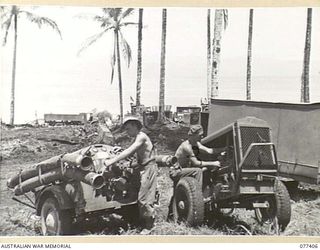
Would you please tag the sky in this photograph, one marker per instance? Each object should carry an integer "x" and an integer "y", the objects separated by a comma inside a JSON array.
[{"x": 52, "y": 78}]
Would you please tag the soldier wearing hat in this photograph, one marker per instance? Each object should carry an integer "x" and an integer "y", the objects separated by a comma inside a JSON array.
[
  {"x": 143, "y": 148},
  {"x": 188, "y": 163}
]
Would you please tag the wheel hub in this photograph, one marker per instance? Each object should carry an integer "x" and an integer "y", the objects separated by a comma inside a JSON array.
[
  {"x": 181, "y": 205},
  {"x": 50, "y": 222}
]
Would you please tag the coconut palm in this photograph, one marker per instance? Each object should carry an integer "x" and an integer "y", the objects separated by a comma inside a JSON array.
[
  {"x": 162, "y": 65},
  {"x": 249, "y": 57},
  {"x": 139, "y": 63},
  {"x": 114, "y": 19},
  {"x": 208, "y": 52},
  {"x": 306, "y": 60},
  {"x": 220, "y": 23},
  {"x": 9, "y": 17}
]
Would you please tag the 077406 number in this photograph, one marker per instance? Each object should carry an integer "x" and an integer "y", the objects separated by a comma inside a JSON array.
[{"x": 309, "y": 245}]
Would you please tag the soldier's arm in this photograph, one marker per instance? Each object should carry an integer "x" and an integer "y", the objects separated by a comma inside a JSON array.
[
  {"x": 140, "y": 139},
  {"x": 197, "y": 163},
  {"x": 204, "y": 149}
]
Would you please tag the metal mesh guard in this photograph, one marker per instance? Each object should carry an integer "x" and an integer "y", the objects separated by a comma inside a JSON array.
[
  {"x": 260, "y": 157},
  {"x": 253, "y": 135}
]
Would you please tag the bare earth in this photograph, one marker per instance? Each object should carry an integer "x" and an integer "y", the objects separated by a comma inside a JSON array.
[{"x": 24, "y": 146}]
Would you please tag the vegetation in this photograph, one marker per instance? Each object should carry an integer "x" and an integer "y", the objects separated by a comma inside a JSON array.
[
  {"x": 220, "y": 23},
  {"x": 9, "y": 17},
  {"x": 208, "y": 52},
  {"x": 249, "y": 58},
  {"x": 139, "y": 62},
  {"x": 305, "y": 96},
  {"x": 114, "y": 19},
  {"x": 162, "y": 65}
]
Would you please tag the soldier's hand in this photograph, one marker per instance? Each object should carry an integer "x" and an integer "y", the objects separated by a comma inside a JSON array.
[
  {"x": 216, "y": 164},
  {"x": 106, "y": 164}
]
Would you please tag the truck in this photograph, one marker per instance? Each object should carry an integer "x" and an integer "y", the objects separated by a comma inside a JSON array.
[
  {"x": 66, "y": 119},
  {"x": 189, "y": 115},
  {"x": 247, "y": 178},
  {"x": 295, "y": 133}
]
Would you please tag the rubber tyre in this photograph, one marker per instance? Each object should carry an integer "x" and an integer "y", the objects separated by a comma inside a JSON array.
[
  {"x": 131, "y": 215},
  {"x": 188, "y": 205},
  {"x": 55, "y": 221},
  {"x": 283, "y": 205},
  {"x": 292, "y": 187},
  {"x": 279, "y": 207}
]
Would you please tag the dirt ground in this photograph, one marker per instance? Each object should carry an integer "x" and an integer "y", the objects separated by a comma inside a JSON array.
[{"x": 21, "y": 147}]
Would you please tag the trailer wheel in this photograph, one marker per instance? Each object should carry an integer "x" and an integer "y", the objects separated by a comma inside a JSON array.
[
  {"x": 188, "y": 205},
  {"x": 130, "y": 214},
  {"x": 292, "y": 187},
  {"x": 55, "y": 221},
  {"x": 279, "y": 206}
]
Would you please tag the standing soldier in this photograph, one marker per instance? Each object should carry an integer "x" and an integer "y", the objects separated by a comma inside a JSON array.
[{"x": 147, "y": 166}]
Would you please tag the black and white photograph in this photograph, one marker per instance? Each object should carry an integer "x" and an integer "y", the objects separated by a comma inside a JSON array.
[{"x": 197, "y": 121}]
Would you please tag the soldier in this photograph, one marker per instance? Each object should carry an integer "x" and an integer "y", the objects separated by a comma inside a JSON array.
[
  {"x": 147, "y": 166},
  {"x": 187, "y": 153},
  {"x": 188, "y": 163}
]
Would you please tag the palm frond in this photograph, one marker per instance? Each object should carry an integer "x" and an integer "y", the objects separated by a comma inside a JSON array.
[
  {"x": 107, "y": 11},
  {"x": 127, "y": 12},
  {"x": 42, "y": 21},
  {"x": 113, "y": 60},
  {"x": 126, "y": 49},
  {"x": 104, "y": 20},
  {"x": 117, "y": 13},
  {"x": 5, "y": 12},
  {"x": 6, "y": 26},
  {"x": 3, "y": 9},
  {"x": 128, "y": 23},
  {"x": 113, "y": 13},
  {"x": 91, "y": 40}
]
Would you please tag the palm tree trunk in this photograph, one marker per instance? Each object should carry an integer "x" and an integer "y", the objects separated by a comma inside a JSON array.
[
  {"x": 139, "y": 64},
  {"x": 116, "y": 35},
  {"x": 216, "y": 49},
  {"x": 208, "y": 52},
  {"x": 249, "y": 58},
  {"x": 162, "y": 65},
  {"x": 305, "y": 97},
  {"x": 12, "y": 101}
]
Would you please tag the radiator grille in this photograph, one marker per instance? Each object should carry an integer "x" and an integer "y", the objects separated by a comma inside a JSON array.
[
  {"x": 253, "y": 135},
  {"x": 260, "y": 156}
]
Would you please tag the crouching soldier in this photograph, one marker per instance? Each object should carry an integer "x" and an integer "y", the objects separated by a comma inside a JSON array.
[
  {"x": 143, "y": 148},
  {"x": 188, "y": 162}
]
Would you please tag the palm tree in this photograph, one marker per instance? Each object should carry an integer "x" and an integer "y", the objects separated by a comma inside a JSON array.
[
  {"x": 208, "y": 52},
  {"x": 221, "y": 19},
  {"x": 139, "y": 63},
  {"x": 162, "y": 66},
  {"x": 114, "y": 19},
  {"x": 9, "y": 16},
  {"x": 249, "y": 58},
  {"x": 306, "y": 60}
]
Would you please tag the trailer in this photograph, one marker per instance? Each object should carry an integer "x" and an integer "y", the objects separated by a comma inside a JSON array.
[{"x": 295, "y": 132}]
